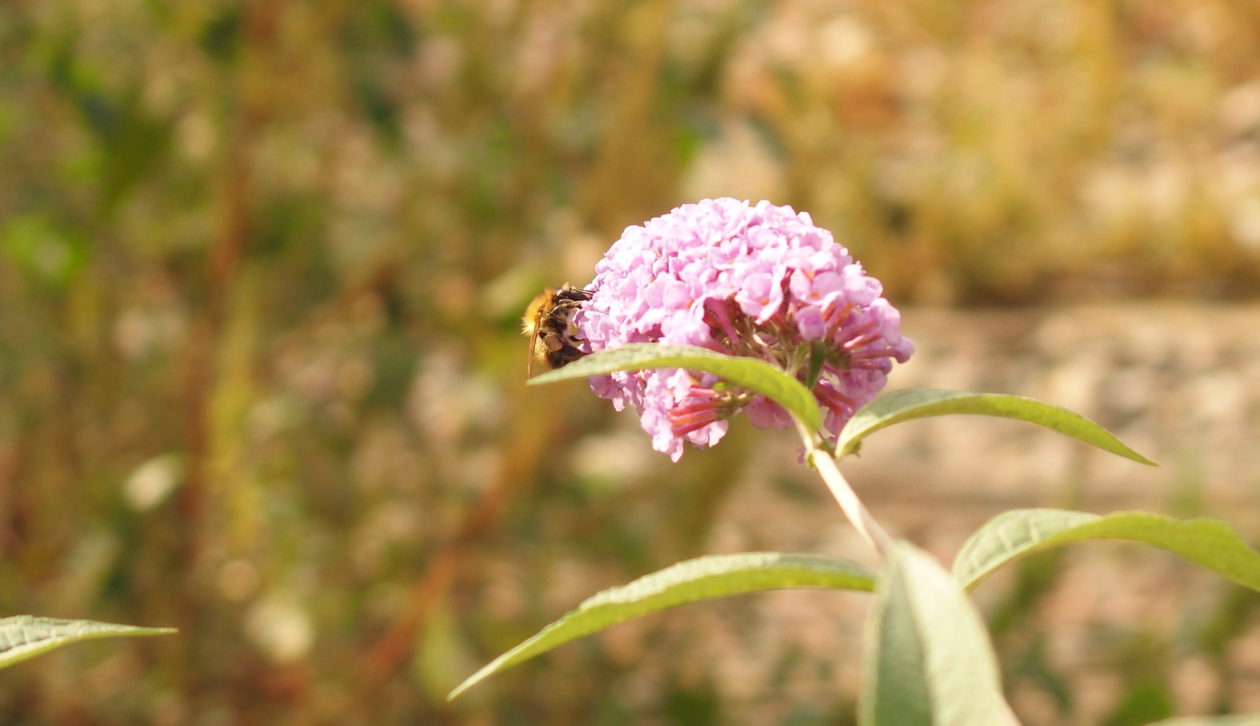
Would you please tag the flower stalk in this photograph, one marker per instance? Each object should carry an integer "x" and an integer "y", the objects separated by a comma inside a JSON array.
[{"x": 825, "y": 463}]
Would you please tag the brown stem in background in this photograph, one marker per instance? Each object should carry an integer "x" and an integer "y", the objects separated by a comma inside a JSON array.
[
  {"x": 201, "y": 373},
  {"x": 248, "y": 107},
  {"x": 222, "y": 265}
]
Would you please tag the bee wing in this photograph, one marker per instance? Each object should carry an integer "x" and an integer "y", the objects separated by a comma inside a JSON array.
[{"x": 533, "y": 353}]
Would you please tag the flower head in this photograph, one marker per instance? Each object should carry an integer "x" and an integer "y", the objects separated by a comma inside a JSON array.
[{"x": 748, "y": 280}]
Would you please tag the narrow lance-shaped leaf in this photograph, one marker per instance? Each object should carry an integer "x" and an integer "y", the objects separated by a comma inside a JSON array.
[
  {"x": 897, "y": 406},
  {"x": 755, "y": 375},
  {"x": 1010, "y": 535},
  {"x": 928, "y": 661},
  {"x": 25, "y": 636},
  {"x": 688, "y": 581}
]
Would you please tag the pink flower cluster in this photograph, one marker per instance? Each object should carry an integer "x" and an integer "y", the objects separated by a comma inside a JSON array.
[{"x": 748, "y": 280}]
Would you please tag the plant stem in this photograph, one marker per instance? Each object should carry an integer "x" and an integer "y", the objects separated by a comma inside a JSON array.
[{"x": 825, "y": 463}]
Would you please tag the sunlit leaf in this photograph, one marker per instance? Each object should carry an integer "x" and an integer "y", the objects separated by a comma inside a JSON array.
[
  {"x": 689, "y": 581},
  {"x": 928, "y": 660},
  {"x": 897, "y": 406},
  {"x": 25, "y": 636},
  {"x": 1010, "y": 535},
  {"x": 750, "y": 373}
]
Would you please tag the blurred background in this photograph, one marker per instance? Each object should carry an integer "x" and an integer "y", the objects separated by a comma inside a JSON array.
[{"x": 261, "y": 267}]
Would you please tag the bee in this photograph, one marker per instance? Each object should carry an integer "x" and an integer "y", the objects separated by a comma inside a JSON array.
[{"x": 548, "y": 323}]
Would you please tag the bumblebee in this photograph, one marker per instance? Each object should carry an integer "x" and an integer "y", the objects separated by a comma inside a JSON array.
[{"x": 548, "y": 323}]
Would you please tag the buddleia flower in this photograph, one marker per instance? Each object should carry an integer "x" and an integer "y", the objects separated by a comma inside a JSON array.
[{"x": 749, "y": 280}]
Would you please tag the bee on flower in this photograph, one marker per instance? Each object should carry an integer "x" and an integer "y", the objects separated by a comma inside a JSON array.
[{"x": 749, "y": 280}]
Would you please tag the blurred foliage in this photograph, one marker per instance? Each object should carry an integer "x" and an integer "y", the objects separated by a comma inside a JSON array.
[{"x": 260, "y": 266}]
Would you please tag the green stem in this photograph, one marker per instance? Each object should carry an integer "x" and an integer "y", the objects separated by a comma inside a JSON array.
[{"x": 825, "y": 463}]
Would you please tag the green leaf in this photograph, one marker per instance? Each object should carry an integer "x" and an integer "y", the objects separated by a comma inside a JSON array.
[
  {"x": 897, "y": 406},
  {"x": 755, "y": 375},
  {"x": 25, "y": 636},
  {"x": 1206, "y": 542},
  {"x": 1253, "y": 720},
  {"x": 688, "y": 581},
  {"x": 928, "y": 660}
]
